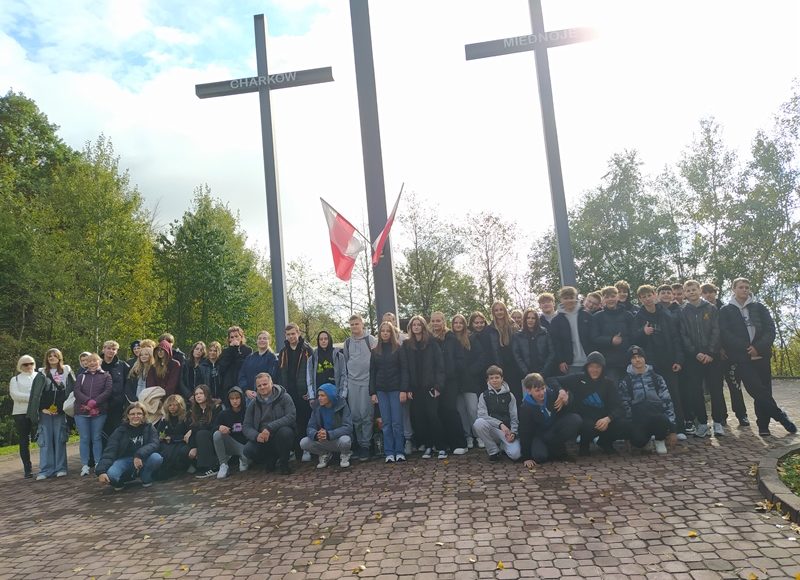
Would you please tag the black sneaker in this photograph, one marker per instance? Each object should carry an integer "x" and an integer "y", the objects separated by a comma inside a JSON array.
[
  {"x": 688, "y": 427},
  {"x": 117, "y": 487},
  {"x": 764, "y": 432},
  {"x": 494, "y": 457},
  {"x": 28, "y": 475},
  {"x": 207, "y": 473},
  {"x": 744, "y": 421},
  {"x": 787, "y": 423}
]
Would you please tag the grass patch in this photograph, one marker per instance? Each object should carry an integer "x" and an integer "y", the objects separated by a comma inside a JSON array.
[
  {"x": 789, "y": 472},
  {"x": 14, "y": 449}
]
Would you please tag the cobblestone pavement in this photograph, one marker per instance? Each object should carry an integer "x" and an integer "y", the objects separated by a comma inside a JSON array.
[{"x": 688, "y": 515}]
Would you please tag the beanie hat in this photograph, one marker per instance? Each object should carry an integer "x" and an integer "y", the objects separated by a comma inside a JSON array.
[
  {"x": 597, "y": 358},
  {"x": 636, "y": 350},
  {"x": 134, "y": 344}
]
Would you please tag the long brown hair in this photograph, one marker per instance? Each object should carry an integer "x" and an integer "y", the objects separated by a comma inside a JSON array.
[
  {"x": 392, "y": 339},
  {"x": 525, "y": 321},
  {"x": 463, "y": 336},
  {"x": 412, "y": 339},
  {"x": 472, "y": 317},
  {"x": 140, "y": 369},
  {"x": 59, "y": 365},
  {"x": 161, "y": 364},
  {"x": 200, "y": 415},
  {"x": 505, "y": 328}
]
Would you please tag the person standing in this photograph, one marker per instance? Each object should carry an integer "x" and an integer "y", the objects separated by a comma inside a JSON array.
[
  {"x": 261, "y": 360},
  {"x": 612, "y": 331},
  {"x": 232, "y": 358},
  {"x": 467, "y": 355},
  {"x": 167, "y": 370},
  {"x": 93, "y": 390},
  {"x": 748, "y": 331},
  {"x": 293, "y": 368},
  {"x": 386, "y": 389},
  {"x": 20, "y": 390},
  {"x": 570, "y": 333},
  {"x": 327, "y": 365},
  {"x": 50, "y": 388},
  {"x": 118, "y": 369},
  {"x": 358, "y": 354},
  {"x": 448, "y": 401},
  {"x": 195, "y": 371},
  {"x": 533, "y": 350}
]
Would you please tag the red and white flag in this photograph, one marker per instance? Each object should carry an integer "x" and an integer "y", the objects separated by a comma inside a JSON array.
[
  {"x": 377, "y": 245},
  {"x": 346, "y": 242}
]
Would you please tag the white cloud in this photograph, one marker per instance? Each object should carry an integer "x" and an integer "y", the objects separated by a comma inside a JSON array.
[{"x": 467, "y": 134}]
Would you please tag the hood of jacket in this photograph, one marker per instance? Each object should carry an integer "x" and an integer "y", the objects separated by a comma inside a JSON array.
[
  {"x": 749, "y": 300},
  {"x": 595, "y": 357},
  {"x": 647, "y": 370},
  {"x": 332, "y": 394},
  {"x": 167, "y": 348},
  {"x": 503, "y": 388}
]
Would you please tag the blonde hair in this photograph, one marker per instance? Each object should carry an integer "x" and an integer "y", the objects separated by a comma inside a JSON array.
[
  {"x": 141, "y": 369},
  {"x": 444, "y": 325},
  {"x": 25, "y": 358},
  {"x": 506, "y": 328},
  {"x": 181, "y": 407}
]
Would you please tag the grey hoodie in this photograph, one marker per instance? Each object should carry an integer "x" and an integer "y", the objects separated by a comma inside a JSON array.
[{"x": 483, "y": 411}]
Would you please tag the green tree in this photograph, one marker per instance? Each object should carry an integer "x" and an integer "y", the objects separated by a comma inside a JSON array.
[
  {"x": 490, "y": 241},
  {"x": 543, "y": 270},
  {"x": 620, "y": 230},
  {"x": 205, "y": 265}
]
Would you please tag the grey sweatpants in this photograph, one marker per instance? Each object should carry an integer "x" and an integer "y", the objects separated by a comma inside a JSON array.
[
  {"x": 340, "y": 445},
  {"x": 361, "y": 411},
  {"x": 226, "y": 447}
]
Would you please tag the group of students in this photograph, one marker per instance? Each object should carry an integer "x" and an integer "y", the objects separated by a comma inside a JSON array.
[{"x": 524, "y": 385}]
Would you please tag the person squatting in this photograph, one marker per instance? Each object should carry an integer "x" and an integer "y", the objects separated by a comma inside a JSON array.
[{"x": 522, "y": 384}]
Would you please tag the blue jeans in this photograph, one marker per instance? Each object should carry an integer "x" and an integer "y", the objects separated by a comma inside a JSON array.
[
  {"x": 91, "y": 432},
  {"x": 122, "y": 469},
  {"x": 52, "y": 441},
  {"x": 392, "y": 416}
]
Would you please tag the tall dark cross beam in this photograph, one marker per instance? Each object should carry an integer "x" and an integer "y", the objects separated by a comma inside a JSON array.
[
  {"x": 539, "y": 41},
  {"x": 385, "y": 294},
  {"x": 263, "y": 83}
]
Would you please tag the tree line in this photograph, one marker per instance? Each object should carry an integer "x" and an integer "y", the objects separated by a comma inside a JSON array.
[{"x": 82, "y": 259}]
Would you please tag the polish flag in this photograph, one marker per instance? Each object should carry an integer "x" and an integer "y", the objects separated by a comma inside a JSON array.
[
  {"x": 346, "y": 242},
  {"x": 377, "y": 245}
]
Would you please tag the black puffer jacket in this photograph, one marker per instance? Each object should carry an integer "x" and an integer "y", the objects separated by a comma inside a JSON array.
[
  {"x": 424, "y": 367},
  {"x": 386, "y": 369},
  {"x": 663, "y": 346},
  {"x": 604, "y": 326},
  {"x": 469, "y": 366},
  {"x": 734, "y": 335},
  {"x": 533, "y": 353}
]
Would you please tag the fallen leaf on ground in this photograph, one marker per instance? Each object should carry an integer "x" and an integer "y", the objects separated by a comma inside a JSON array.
[
  {"x": 78, "y": 569},
  {"x": 440, "y": 543},
  {"x": 359, "y": 570},
  {"x": 692, "y": 534},
  {"x": 378, "y": 515},
  {"x": 184, "y": 568},
  {"x": 752, "y": 576},
  {"x": 367, "y": 551},
  {"x": 500, "y": 565},
  {"x": 146, "y": 537},
  {"x": 753, "y": 471},
  {"x": 195, "y": 490},
  {"x": 317, "y": 542},
  {"x": 473, "y": 559},
  {"x": 334, "y": 557}
]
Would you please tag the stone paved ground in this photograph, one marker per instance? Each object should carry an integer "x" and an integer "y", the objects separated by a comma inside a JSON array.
[{"x": 629, "y": 516}]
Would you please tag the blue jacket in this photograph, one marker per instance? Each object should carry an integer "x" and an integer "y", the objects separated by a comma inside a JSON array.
[
  {"x": 256, "y": 363},
  {"x": 342, "y": 423}
]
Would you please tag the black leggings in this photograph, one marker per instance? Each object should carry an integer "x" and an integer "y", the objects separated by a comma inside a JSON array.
[{"x": 24, "y": 431}]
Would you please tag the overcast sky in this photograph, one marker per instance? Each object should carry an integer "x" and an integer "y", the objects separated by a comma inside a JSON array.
[{"x": 465, "y": 134}]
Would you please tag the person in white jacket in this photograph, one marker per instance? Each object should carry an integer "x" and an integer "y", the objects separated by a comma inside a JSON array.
[{"x": 20, "y": 390}]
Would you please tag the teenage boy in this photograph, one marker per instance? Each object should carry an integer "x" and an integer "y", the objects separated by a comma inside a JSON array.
[
  {"x": 269, "y": 425},
  {"x": 658, "y": 333},
  {"x": 118, "y": 369},
  {"x": 665, "y": 296},
  {"x": 611, "y": 332},
  {"x": 329, "y": 429},
  {"x": 592, "y": 302},
  {"x": 357, "y": 353},
  {"x": 699, "y": 322},
  {"x": 624, "y": 296},
  {"x": 649, "y": 411},
  {"x": 293, "y": 366},
  {"x": 594, "y": 397},
  {"x": 497, "y": 424},
  {"x": 710, "y": 294},
  {"x": 748, "y": 332},
  {"x": 547, "y": 306},
  {"x": 678, "y": 301},
  {"x": 545, "y": 425},
  {"x": 232, "y": 358},
  {"x": 570, "y": 333}
]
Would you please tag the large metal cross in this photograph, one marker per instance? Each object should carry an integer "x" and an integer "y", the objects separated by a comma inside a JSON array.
[
  {"x": 539, "y": 41},
  {"x": 264, "y": 83}
]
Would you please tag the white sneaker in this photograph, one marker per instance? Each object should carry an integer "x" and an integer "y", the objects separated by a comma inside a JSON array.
[
  {"x": 61, "y": 474},
  {"x": 324, "y": 460},
  {"x": 681, "y": 436},
  {"x": 442, "y": 454},
  {"x": 84, "y": 471},
  {"x": 719, "y": 430},
  {"x": 244, "y": 463},
  {"x": 389, "y": 459},
  {"x": 41, "y": 477},
  {"x": 481, "y": 444},
  {"x": 399, "y": 458},
  {"x": 470, "y": 442},
  {"x": 408, "y": 448},
  {"x": 306, "y": 457},
  {"x": 191, "y": 469},
  {"x": 661, "y": 447},
  {"x": 421, "y": 448},
  {"x": 459, "y": 451},
  {"x": 427, "y": 453},
  {"x": 701, "y": 430},
  {"x": 344, "y": 460},
  {"x": 223, "y": 471}
]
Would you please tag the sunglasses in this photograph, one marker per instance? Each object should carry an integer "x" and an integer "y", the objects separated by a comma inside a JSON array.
[{"x": 27, "y": 364}]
